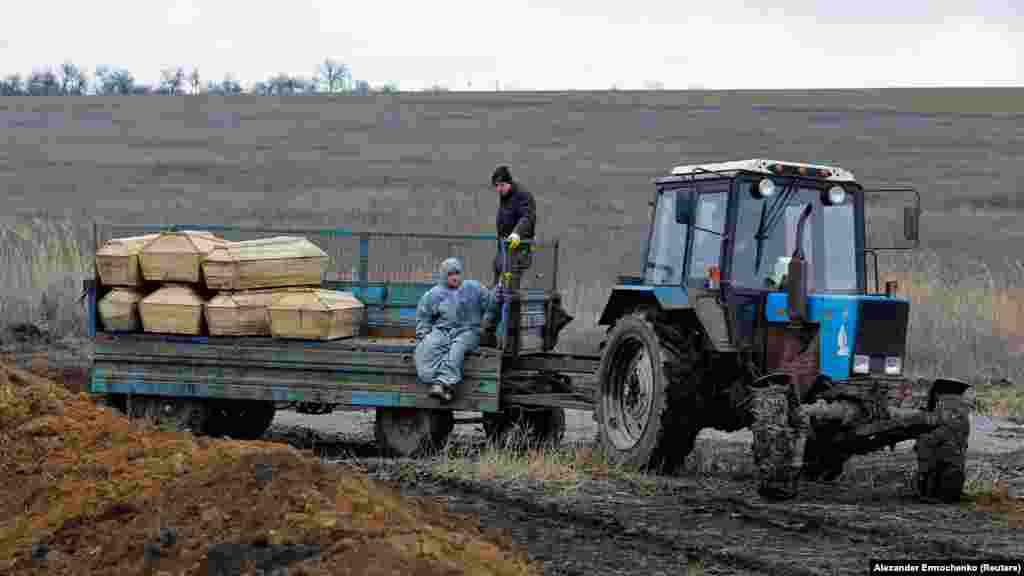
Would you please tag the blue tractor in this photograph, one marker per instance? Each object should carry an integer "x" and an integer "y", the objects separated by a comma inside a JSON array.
[{"x": 753, "y": 311}]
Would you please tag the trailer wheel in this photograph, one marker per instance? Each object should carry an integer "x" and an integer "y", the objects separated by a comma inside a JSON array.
[
  {"x": 180, "y": 414},
  {"x": 942, "y": 453},
  {"x": 648, "y": 405},
  {"x": 411, "y": 432},
  {"x": 241, "y": 419},
  {"x": 541, "y": 425}
]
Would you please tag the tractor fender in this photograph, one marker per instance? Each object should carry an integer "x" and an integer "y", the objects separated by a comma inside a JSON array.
[
  {"x": 624, "y": 298},
  {"x": 945, "y": 386},
  {"x": 709, "y": 314}
]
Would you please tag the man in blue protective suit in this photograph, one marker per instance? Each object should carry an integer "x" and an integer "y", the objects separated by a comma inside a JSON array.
[{"x": 448, "y": 324}]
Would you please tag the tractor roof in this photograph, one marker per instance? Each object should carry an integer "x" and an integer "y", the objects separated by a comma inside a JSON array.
[{"x": 761, "y": 166}]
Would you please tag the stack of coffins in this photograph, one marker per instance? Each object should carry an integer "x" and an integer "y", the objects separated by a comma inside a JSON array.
[{"x": 194, "y": 282}]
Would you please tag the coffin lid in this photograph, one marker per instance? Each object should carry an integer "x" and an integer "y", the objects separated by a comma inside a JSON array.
[
  {"x": 196, "y": 241},
  {"x": 180, "y": 294},
  {"x": 247, "y": 298},
  {"x": 120, "y": 294},
  {"x": 315, "y": 299},
  {"x": 278, "y": 247},
  {"x": 126, "y": 246}
]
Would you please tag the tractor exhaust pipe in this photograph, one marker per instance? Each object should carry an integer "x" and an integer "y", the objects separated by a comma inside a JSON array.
[{"x": 797, "y": 297}]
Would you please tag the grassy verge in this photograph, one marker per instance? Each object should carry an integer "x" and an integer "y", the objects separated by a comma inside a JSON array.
[
  {"x": 986, "y": 490},
  {"x": 1001, "y": 398},
  {"x": 560, "y": 469}
]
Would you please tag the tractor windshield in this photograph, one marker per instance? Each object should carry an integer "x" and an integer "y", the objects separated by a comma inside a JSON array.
[{"x": 828, "y": 240}]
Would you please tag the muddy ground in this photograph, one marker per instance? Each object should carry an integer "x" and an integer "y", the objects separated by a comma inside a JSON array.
[
  {"x": 715, "y": 519},
  {"x": 708, "y": 516}
]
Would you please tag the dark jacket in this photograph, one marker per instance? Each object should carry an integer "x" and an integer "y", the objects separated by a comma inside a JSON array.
[{"x": 517, "y": 212}]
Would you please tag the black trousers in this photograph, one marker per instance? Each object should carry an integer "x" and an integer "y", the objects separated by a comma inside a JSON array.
[{"x": 519, "y": 261}]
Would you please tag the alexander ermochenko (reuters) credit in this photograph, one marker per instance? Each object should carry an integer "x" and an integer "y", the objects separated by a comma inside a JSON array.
[{"x": 947, "y": 567}]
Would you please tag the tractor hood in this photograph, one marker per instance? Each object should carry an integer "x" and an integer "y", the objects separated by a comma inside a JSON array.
[{"x": 871, "y": 327}]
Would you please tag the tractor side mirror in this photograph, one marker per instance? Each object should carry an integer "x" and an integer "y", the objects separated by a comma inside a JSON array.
[
  {"x": 684, "y": 212},
  {"x": 910, "y": 223}
]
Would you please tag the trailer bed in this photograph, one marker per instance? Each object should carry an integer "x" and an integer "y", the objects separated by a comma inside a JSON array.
[{"x": 360, "y": 371}]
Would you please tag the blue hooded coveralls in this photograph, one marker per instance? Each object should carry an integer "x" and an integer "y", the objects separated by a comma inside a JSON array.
[{"x": 448, "y": 324}]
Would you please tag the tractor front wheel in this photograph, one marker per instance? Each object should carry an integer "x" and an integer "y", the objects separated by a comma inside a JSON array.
[
  {"x": 942, "y": 453},
  {"x": 780, "y": 435},
  {"x": 648, "y": 404}
]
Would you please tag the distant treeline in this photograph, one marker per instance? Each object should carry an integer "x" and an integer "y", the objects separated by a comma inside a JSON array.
[{"x": 332, "y": 77}]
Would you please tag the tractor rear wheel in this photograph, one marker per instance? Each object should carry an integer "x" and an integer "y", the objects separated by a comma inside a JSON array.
[
  {"x": 411, "y": 432},
  {"x": 942, "y": 453},
  {"x": 647, "y": 406}
]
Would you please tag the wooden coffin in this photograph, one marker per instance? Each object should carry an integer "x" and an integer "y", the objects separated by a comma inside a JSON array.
[
  {"x": 316, "y": 314},
  {"x": 173, "y": 309},
  {"x": 265, "y": 263},
  {"x": 117, "y": 261},
  {"x": 240, "y": 313},
  {"x": 177, "y": 256},
  {"x": 119, "y": 310}
]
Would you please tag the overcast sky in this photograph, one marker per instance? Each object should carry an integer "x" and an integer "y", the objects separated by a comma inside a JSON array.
[{"x": 571, "y": 44}]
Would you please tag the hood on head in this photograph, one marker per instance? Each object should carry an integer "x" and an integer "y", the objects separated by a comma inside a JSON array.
[{"x": 448, "y": 266}]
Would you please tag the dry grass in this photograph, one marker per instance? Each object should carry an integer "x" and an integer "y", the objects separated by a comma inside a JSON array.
[
  {"x": 964, "y": 316},
  {"x": 44, "y": 262},
  {"x": 1004, "y": 400},
  {"x": 560, "y": 469},
  {"x": 987, "y": 490},
  {"x": 95, "y": 488}
]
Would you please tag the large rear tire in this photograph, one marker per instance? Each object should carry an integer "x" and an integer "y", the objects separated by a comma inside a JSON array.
[
  {"x": 411, "y": 432},
  {"x": 648, "y": 403},
  {"x": 942, "y": 453}
]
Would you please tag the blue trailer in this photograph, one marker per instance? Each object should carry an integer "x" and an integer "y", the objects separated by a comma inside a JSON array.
[{"x": 233, "y": 385}]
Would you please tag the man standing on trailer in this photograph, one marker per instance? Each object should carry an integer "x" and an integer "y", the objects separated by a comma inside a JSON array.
[
  {"x": 516, "y": 221},
  {"x": 448, "y": 320}
]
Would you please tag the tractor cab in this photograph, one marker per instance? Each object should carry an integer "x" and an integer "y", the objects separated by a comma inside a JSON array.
[{"x": 736, "y": 223}]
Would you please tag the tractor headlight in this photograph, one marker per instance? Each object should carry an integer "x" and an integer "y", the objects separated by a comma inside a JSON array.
[
  {"x": 836, "y": 195},
  {"x": 766, "y": 188},
  {"x": 861, "y": 364},
  {"x": 893, "y": 365}
]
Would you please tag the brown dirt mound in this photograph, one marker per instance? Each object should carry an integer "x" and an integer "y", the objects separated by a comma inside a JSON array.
[{"x": 87, "y": 491}]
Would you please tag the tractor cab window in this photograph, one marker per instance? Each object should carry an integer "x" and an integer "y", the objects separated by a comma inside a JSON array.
[
  {"x": 668, "y": 241},
  {"x": 829, "y": 249},
  {"x": 708, "y": 231}
]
